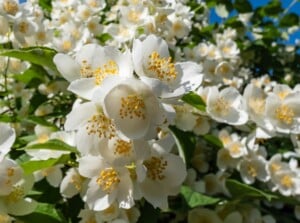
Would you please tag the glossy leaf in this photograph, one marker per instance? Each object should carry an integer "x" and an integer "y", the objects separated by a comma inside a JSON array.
[
  {"x": 195, "y": 199},
  {"x": 194, "y": 100},
  {"x": 53, "y": 144}
]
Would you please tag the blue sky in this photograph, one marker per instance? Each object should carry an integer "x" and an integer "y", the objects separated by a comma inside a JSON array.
[{"x": 256, "y": 3}]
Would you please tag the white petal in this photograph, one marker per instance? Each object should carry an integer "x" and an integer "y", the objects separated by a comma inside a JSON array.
[
  {"x": 7, "y": 138},
  {"x": 83, "y": 87},
  {"x": 80, "y": 115},
  {"x": 68, "y": 67},
  {"x": 22, "y": 207}
]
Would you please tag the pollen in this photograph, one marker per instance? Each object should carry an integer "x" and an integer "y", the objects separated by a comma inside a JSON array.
[
  {"x": 4, "y": 218},
  {"x": 77, "y": 181},
  {"x": 23, "y": 27},
  {"x": 221, "y": 106},
  {"x": 16, "y": 194},
  {"x": 109, "y": 68},
  {"x": 162, "y": 68},
  {"x": 155, "y": 168},
  {"x": 10, "y": 171},
  {"x": 257, "y": 105},
  {"x": 66, "y": 45},
  {"x": 251, "y": 171},
  {"x": 122, "y": 147},
  {"x": 286, "y": 181},
  {"x": 108, "y": 180},
  {"x": 41, "y": 36},
  {"x": 235, "y": 148},
  {"x": 133, "y": 16},
  {"x": 282, "y": 94},
  {"x": 11, "y": 7},
  {"x": 132, "y": 106},
  {"x": 102, "y": 126},
  {"x": 285, "y": 114}
]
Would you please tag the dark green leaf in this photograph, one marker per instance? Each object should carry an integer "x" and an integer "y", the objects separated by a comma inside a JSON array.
[
  {"x": 289, "y": 20},
  {"x": 242, "y": 6},
  {"x": 273, "y": 8},
  {"x": 186, "y": 143},
  {"x": 40, "y": 121},
  {"x": 148, "y": 214},
  {"x": 194, "y": 100},
  {"x": 195, "y": 199},
  {"x": 37, "y": 55},
  {"x": 241, "y": 190},
  {"x": 53, "y": 144}
]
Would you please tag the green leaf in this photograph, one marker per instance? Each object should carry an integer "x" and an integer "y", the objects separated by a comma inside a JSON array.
[
  {"x": 46, "y": 6},
  {"x": 213, "y": 140},
  {"x": 53, "y": 144},
  {"x": 34, "y": 165},
  {"x": 33, "y": 73},
  {"x": 241, "y": 190},
  {"x": 186, "y": 142},
  {"x": 273, "y": 8},
  {"x": 194, "y": 100},
  {"x": 289, "y": 20},
  {"x": 242, "y": 6},
  {"x": 195, "y": 199},
  {"x": 45, "y": 213},
  {"x": 40, "y": 121},
  {"x": 104, "y": 37},
  {"x": 37, "y": 55}
]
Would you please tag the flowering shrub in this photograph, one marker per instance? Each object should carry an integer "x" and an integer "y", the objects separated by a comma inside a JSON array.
[{"x": 145, "y": 111}]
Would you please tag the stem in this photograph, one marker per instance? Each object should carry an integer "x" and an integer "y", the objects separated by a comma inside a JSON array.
[{"x": 290, "y": 6}]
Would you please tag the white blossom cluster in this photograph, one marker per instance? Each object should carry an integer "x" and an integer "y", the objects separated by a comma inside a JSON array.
[{"x": 128, "y": 92}]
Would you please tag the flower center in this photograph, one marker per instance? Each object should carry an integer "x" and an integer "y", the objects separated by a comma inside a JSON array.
[
  {"x": 155, "y": 168},
  {"x": 132, "y": 106},
  {"x": 134, "y": 16},
  {"x": 77, "y": 181},
  {"x": 257, "y": 105},
  {"x": 108, "y": 180},
  {"x": 251, "y": 171},
  {"x": 11, "y": 7},
  {"x": 285, "y": 114},
  {"x": 286, "y": 181},
  {"x": 162, "y": 68},
  {"x": 221, "y": 106},
  {"x": 4, "y": 218},
  {"x": 23, "y": 27},
  {"x": 16, "y": 194},
  {"x": 122, "y": 147},
  {"x": 102, "y": 126},
  {"x": 109, "y": 68}
]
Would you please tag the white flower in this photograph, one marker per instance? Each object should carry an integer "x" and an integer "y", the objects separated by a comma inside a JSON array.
[
  {"x": 226, "y": 106},
  {"x": 284, "y": 113},
  {"x": 52, "y": 174},
  {"x": 132, "y": 105},
  {"x": 287, "y": 182},
  {"x": 159, "y": 174},
  {"x": 91, "y": 65},
  {"x": 151, "y": 59},
  {"x": 72, "y": 184},
  {"x": 253, "y": 167},
  {"x": 93, "y": 127},
  {"x": 10, "y": 174},
  {"x": 15, "y": 203},
  {"x": 255, "y": 102},
  {"x": 108, "y": 184},
  {"x": 7, "y": 138}
]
